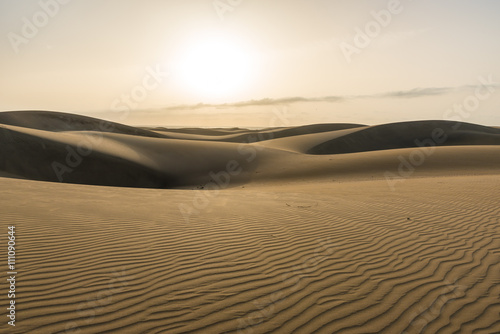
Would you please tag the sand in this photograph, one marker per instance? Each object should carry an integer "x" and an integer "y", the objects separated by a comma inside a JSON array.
[{"x": 287, "y": 234}]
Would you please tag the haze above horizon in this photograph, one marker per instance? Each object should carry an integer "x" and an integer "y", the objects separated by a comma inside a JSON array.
[{"x": 253, "y": 64}]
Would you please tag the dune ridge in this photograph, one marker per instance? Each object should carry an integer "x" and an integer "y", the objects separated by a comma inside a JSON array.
[
  {"x": 59, "y": 121},
  {"x": 48, "y": 146},
  {"x": 410, "y": 134}
]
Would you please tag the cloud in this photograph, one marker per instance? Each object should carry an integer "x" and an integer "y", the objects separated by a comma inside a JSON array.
[
  {"x": 262, "y": 102},
  {"x": 418, "y": 92},
  {"x": 403, "y": 94}
]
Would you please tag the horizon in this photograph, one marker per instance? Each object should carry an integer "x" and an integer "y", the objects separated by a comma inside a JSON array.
[
  {"x": 252, "y": 128},
  {"x": 212, "y": 64}
]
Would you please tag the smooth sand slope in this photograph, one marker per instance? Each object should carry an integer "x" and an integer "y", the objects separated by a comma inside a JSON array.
[{"x": 332, "y": 228}]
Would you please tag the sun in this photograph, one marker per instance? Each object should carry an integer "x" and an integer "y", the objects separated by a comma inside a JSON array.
[{"x": 214, "y": 67}]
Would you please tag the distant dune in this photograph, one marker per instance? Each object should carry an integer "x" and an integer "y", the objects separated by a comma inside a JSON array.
[
  {"x": 59, "y": 147},
  {"x": 410, "y": 134},
  {"x": 328, "y": 228},
  {"x": 58, "y": 121}
]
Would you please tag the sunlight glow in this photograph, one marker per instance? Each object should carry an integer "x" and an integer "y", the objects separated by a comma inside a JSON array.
[{"x": 214, "y": 67}]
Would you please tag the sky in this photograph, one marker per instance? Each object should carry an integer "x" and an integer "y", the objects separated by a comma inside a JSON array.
[{"x": 253, "y": 63}]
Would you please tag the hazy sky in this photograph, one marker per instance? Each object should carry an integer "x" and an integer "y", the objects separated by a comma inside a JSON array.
[{"x": 253, "y": 62}]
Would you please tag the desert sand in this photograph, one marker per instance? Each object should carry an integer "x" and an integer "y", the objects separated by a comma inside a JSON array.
[{"x": 329, "y": 228}]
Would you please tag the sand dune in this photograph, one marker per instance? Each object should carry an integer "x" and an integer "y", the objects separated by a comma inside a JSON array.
[
  {"x": 314, "y": 229},
  {"x": 114, "y": 159},
  {"x": 410, "y": 134},
  {"x": 58, "y": 121},
  {"x": 47, "y": 146},
  {"x": 238, "y": 135}
]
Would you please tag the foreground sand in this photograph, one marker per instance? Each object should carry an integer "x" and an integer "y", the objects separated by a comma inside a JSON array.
[{"x": 322, "y": 257}]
